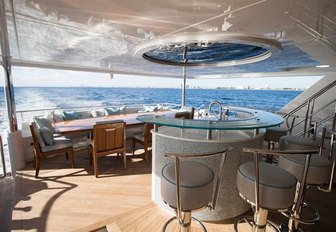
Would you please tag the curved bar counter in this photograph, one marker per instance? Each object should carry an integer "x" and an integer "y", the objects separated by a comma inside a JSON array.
[{"x": 192, "y": 136}]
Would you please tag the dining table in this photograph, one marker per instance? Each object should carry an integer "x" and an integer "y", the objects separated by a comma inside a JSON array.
[{"x": 85, "y": 125}]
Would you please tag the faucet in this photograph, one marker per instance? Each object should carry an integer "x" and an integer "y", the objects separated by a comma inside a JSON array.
[{"x": 220, "y": 106}]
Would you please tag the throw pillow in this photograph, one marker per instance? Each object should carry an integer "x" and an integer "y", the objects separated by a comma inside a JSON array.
[
  {"x": 58, "y": 117},
  {"x": 122, "y": 109},
  {"x": 43, "y": 122},
  {"x": 47, "y": 136},
  {"x": 69, "y": 115},
  {"x": 150, "y": 108},
  {"x": 97, "y": 113},
  {"x": 111, "y": 111}
]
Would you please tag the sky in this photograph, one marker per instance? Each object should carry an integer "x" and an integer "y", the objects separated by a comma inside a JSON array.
[{"x": 31, "y": 77}]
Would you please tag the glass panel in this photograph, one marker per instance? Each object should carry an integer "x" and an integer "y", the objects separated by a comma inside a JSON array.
[{"x": 255, "y": 119}]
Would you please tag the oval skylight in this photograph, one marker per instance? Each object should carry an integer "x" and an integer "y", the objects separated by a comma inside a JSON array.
[{"x": 209, "y": 49}]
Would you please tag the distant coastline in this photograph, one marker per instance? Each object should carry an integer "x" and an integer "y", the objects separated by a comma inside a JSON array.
[
  {"x": 57, "y": 98},
  {"x": 187, "y": 87}
]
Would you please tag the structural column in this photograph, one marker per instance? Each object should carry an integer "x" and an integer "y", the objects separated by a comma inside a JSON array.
[{"x": 6, "y": 63}]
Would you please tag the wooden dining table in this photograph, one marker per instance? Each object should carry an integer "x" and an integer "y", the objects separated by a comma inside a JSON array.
[{"x": 86, "y": 124}]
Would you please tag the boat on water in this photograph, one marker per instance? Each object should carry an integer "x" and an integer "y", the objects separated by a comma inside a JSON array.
[{"x": 190, "y": 40}]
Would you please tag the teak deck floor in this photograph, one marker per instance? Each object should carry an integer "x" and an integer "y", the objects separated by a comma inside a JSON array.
[{"x": 72, "y": 199}]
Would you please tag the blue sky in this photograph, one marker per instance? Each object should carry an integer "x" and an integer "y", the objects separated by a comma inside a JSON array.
[{"x": 45, "y": 77}]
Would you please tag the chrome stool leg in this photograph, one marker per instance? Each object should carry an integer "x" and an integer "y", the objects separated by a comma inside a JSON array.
[
  {"x": 171, "y": 189},
  {"x": 184, "y": 222},
  {"x": 258, "y": 222},
  {"x": 269, "y": 157}
]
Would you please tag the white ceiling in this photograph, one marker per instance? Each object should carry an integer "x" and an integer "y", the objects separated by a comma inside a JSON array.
[{"x": 102, "y": 35}]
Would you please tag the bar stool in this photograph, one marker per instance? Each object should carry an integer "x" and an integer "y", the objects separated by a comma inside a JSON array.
[
  {"x": 266, "y": 187},
  {"x": 189, "y": 185},
  {"x": 272, "y": 136},
  {"x": 309, "y": 170}
]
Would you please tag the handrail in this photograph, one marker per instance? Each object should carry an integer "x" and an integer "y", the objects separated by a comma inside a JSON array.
[
  {"x": 311, "y": 118},
  {"x": 313, "y": 97},
  {"x": 93, "y": 106},
  {"x": 333, "y": 160},
  {"x": 2, "y": 159},
  {"x": 310, "y": 103}
]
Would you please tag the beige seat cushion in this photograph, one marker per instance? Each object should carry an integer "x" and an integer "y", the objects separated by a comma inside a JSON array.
[
  {"x": 318, "y": 172},
  {"x": 290, "y": 142},
  {"x": 276, "y": 186},
  {"x": 196, "y": 185},
  {"x": 274, "y": 133},
  {"x": 139, "y": 137},
  {"x": 319, "y": 168},
  {"x": 58, "y": 144}
]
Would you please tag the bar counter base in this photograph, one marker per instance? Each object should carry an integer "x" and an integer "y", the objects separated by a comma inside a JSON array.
[{"x": 176, "y": 140}]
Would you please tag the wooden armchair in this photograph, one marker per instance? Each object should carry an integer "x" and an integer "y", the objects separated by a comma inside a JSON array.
[
  {"x": 189, "y": 109},
  {"x": 184, "y": 115},
  {"x": 42, "y": 150},
  {"x": 108, "y": 137},
  {"x": 145, "y": 139}
]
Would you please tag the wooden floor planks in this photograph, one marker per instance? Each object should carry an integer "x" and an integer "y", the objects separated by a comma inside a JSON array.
[{"x": 72, "y": 199}]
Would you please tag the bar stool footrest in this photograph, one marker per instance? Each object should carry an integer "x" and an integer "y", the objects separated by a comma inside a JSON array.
[
  {"x": 301, "y": 219},
  {"x": 175, "y": 218},
  {"x": 250, "y": 221}
]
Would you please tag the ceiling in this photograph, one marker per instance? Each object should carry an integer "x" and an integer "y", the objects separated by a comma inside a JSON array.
[{"x": 103, "y": 35}]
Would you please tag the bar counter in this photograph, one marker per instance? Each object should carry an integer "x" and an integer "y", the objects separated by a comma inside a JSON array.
[{"x": 187, "y": 136}]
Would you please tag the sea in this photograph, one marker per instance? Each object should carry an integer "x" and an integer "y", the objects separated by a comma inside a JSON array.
[
  {"x": 35, "y": 98},
  {"x": 40, "y": 98}
]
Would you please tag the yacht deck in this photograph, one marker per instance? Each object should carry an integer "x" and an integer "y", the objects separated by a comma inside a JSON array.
[{"x": 72, "y": 199}]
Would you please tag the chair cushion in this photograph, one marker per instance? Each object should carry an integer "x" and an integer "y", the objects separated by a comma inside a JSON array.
[
  {"x": 131, "y": 110},
  {"x": 43, "y": 122},
  {"x": 196, "y": 185},
  {"x": 274, "y": 133},
  {"x": 318, "y": 172},
  {"x": 58, "y": 144},
  {"x": 84, "y": 114},
  {"x": 47, "y": 136},
  {"x": 276, "y": 186},
  {"x": 140, "y": 137},
  {"x": 289, "y": 142}
]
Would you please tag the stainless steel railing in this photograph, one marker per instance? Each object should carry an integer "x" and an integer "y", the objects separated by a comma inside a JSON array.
[
  {"x": 3, "y": 162},
  {"x": 309, "y": 113}
]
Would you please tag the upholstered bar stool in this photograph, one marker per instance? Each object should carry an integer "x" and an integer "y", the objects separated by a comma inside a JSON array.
[
  {"x": 189, "y": 185},
  {"x": 266, "y": 187},
  {"x": 272, "y": 136},
  {"x": 317, "y": 172}
]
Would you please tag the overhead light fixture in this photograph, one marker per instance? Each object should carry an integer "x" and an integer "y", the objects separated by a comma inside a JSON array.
[
  {"x": 323, "y": 66},
  {"x": 209, "y": 49}
]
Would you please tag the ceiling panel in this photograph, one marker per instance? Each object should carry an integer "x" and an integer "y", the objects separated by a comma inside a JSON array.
[{"x": 103, "y": 34}]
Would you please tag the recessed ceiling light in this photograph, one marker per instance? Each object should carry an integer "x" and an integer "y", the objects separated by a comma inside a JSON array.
[{"x": 323, "y": 66}]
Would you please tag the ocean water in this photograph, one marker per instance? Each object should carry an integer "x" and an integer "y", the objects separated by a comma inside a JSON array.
[
  {"x": 51, "y": 97},
  {"x": 59, "y": 98}
]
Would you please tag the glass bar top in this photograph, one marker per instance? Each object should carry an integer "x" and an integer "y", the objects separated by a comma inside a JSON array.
[{"x": 237, "y": 119}]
